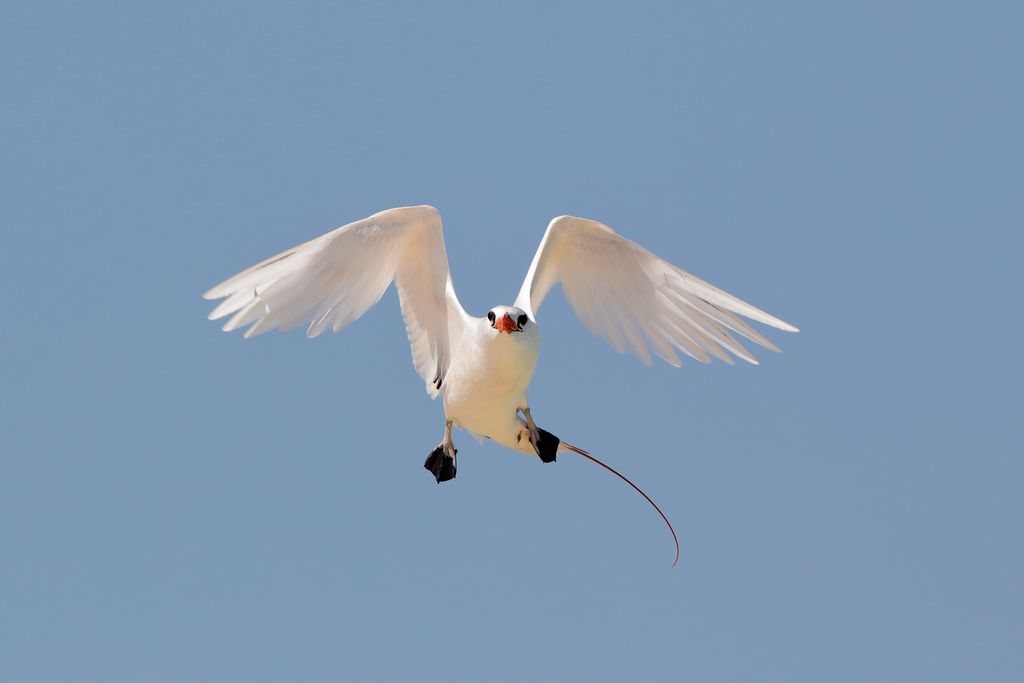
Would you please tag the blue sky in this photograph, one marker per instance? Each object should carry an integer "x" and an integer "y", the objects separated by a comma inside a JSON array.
[{"x": 177, "y": 504}]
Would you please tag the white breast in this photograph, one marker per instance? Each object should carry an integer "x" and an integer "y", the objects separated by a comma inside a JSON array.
[{"x": 488, "y": 378}]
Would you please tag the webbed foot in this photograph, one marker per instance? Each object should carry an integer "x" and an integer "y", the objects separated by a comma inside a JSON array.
[
  {"x": 441, "y": 461},
  {"x": 544, "y": 442},
  {"x": 546, "y": 445},
  {"x": 441, "y": 464}
]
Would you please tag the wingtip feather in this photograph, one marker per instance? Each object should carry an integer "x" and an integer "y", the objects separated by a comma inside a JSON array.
[{"x": 218, "y": 291}]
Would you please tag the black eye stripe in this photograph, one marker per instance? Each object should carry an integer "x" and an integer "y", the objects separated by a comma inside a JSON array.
[
  {"x": 490, "y": 316},
  {"x": 522, "y": 320}
]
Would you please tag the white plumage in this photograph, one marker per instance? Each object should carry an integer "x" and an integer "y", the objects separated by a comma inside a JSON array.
[
  {"x": 482, "y": 367},
  {"x": 332, "y": 280},
  {"x": 630, "y": 297}
]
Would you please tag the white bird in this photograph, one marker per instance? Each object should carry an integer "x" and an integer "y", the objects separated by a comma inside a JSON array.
[{"x": 482, "y": 367}]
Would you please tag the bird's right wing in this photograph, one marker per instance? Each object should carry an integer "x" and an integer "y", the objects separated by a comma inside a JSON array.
[
  {"x": 627, "y": 295},
  {"x": 332, "y": 280}
]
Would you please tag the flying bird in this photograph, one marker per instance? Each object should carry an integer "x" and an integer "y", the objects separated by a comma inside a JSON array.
[{"x": 482, "y": 367}]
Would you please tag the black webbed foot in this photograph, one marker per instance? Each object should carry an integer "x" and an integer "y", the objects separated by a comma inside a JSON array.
[
  {"x": 440, "y": 464},
  {"x": 546, "y": 446}
]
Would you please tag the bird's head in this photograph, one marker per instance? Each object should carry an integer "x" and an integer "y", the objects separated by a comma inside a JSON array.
[{"x": 508, "y": 319}]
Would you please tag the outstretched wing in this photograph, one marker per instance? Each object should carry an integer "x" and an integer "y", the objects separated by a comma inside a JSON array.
[
  {"x": 332, "y": 280},
  {"x": 627, "y": 295}
]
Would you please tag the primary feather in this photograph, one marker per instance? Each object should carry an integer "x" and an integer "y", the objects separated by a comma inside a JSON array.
[
  {"x": 332, "y": 280},
  {"x": 633, "y": 299}
]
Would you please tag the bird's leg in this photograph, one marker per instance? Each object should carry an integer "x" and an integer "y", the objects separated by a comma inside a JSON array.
[
  {"x": 441, "y": 461},
  {"x": 531, "y": 425},
  {"x": 544, "y": 442},
  {"x": 448, "y": 444}
]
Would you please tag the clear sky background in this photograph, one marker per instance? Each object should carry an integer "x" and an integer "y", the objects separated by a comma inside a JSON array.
[{"x": 178, "y": 504}]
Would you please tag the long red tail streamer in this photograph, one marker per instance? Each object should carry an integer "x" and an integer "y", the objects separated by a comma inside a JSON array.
[{"x": 582, "y": 452}]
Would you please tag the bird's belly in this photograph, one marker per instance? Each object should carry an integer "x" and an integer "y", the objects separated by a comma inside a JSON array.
[
  {"x": 484, "y": 410},
  {"x": 485, "y": 390}
]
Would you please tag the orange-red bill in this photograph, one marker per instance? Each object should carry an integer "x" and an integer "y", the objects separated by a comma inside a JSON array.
[
  {"x": 582, "y": 452},
  {"x": 506, "y": 324}
]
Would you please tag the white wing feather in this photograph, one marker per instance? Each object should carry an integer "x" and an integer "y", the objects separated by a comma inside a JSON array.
[
  {"x": 332, "y": 280},
  {"x": 631, "y": 298}
]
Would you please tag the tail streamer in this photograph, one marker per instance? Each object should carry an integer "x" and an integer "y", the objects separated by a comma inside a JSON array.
[{"x": 582, "y": 452}]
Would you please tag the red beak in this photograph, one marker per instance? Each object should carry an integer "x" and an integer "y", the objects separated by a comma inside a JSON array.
[{"x": 506, "y": 324}]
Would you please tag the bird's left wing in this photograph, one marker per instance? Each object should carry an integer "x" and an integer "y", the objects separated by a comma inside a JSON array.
[
  {"x": 332, "y": 280},
  {"x": 627, "y": 295}
]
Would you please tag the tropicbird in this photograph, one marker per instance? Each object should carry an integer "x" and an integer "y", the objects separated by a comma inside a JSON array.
[{"x": 482, "y": 367}]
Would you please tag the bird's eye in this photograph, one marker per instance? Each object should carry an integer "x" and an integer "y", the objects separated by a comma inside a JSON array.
[
  {"x": 522, "y": 320},
  {"x": 490, "y": 316}
]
